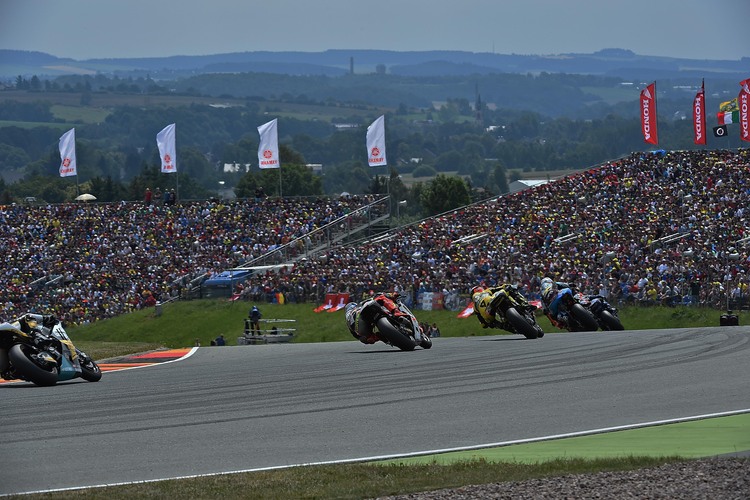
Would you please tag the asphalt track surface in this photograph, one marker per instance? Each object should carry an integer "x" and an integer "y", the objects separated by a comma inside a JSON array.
[{"x": 239, "y": 408}]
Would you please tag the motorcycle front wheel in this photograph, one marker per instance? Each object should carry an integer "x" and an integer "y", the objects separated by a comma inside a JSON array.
[
  {"x": 391, "y": 335},
  {"x": 90, "y": 371},
  {"x": 610, "y": 321},
  {"x": 22, "y": 358},
  {"x": 521, "y": 325},
  {"x": 426, "y": 342}
]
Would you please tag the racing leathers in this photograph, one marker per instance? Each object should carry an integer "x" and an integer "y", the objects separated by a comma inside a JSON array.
[
  {"x": 362, "y": 330},
  {"x": 552, "y": 295},
  {"x": 30, "y": 321},
  {"x": 485, "y": 305}
]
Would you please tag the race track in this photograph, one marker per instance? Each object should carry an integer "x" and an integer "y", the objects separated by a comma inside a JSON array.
[{"x": 246, "y": 407}]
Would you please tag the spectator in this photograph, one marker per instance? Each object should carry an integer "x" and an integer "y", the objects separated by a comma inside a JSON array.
[
  {"x": 255, "y": 316},
  {"x": 220, "y": 340},
  {"x": 434, "y": 331}
]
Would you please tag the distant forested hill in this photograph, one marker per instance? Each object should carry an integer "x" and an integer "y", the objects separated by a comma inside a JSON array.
[{"x": 611, "y": 62}]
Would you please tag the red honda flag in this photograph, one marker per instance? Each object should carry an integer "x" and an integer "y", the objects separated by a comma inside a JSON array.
[
  {"x": 699, "y": 116},
  {"x": 648, "y": 114},
  {"x": 743, "y": 100}
]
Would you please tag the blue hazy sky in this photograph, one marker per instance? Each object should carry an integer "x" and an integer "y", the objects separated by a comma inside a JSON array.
[{"x": 84, "y": 29}]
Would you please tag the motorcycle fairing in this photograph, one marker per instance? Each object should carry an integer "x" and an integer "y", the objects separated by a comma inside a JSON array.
[{"x": 67, "y": 371}]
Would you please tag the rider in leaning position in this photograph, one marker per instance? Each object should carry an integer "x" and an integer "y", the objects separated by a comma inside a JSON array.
[
  {"x": 48, "y": 322},
  {"x": 485, "y": 305},
  {"x": 362, "y": 330},
  {"x": 551, "y": 299}
]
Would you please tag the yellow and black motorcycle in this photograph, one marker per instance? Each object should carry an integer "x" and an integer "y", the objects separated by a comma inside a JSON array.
[
  {"x": 36, "y": 348},
  {"x": 506, "y": 308}
]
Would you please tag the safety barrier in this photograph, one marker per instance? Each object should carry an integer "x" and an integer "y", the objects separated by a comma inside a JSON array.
[{"x": 273, "y": 335}]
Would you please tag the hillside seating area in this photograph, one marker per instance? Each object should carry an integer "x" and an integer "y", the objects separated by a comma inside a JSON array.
[{"x": 650, "y": 228}]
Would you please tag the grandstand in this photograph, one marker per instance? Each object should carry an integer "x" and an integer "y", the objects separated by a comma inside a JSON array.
[{"x": 653, "y": 227}]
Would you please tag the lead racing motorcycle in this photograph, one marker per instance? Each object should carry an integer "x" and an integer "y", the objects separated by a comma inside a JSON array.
[
  {"x": 36, "y": 348},
  {"x": 506, "y": 308},
  {"x": 385, "y": 318}
]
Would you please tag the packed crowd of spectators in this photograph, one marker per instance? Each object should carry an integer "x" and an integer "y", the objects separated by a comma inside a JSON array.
[
  {"x": 86, "y": 262},
  {"x": 650, "y": 228}
]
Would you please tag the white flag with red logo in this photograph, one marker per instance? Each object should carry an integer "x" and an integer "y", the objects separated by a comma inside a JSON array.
[
  {"x": 376, "y": 142},
  {"x": 743, "y": 101},
  {"x": 68, "y": 154},
  {"x": 648, "y": 114},
  {"x": 699, "y": 116},
  {"x": 167, "y": 149},
  {"x": 268, "y": 150}
]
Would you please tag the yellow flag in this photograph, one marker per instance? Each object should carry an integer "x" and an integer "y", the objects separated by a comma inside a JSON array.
[{"x": 728, "y": 106}]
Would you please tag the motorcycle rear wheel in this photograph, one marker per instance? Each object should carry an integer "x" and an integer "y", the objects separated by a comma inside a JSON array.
[
  {"x": 392, "y": 335},
  {"x": 25, "y": 366},
  {"x": 610, "y": 321},
  {"x": 584, "y": 317},
  {"x": 521, "y": 325}
]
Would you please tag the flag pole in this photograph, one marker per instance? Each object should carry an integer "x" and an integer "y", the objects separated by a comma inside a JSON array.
[
  {"x": 656, "y": 112},
  {"x": 176, "y": 174}
]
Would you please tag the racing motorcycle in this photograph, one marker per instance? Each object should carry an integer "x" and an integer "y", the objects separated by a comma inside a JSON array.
[
  {"x": 510, "y": 311},
  {"x": 604, "y": 313},
  {"x": 390, "y": 321},
  {"x": 580, "y": 319},
  {"x": 36, "y": 348}
]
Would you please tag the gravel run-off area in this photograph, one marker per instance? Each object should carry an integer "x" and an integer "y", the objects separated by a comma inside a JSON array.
[{"x": 710, "y": 479}]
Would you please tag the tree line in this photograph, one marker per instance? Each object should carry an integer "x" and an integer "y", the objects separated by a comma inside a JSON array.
[{"x": 481, "y": 147}]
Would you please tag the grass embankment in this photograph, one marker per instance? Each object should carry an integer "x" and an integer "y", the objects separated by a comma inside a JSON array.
[
  {"x": 354, "y": 481},
  {"x": 180, "y": 324}
]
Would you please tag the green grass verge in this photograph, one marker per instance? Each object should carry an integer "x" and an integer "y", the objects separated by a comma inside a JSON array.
[
  {"x": 354, "y": 481},
  {"x": 694, "y": 439},
  {"x": 184, "y": 323}
]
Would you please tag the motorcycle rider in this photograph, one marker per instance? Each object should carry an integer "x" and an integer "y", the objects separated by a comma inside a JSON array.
[
  {"x": 362, "y": 330},
  {"x": 29, "y": 321},
  {"x": 551, "y": 299},
  {"x": 485, "y": 303}
]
